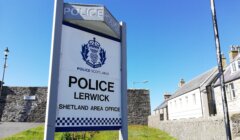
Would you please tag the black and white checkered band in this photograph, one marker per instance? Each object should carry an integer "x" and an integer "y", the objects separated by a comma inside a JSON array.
[{"x": 70, "y": 121}]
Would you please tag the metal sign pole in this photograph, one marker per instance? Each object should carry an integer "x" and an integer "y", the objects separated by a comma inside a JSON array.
[
  {"x": 54, "y": 71},
  {"x": 123, "y": 133},
  {"x": 220, "y": 69}
]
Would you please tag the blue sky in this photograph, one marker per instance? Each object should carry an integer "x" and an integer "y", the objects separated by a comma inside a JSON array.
[{"x": 167, "y": 39}]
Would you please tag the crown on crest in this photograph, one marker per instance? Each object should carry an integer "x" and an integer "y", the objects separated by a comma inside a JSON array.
[{"x": 93, "y": 43}]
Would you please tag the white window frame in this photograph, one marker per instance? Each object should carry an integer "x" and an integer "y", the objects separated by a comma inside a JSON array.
[
  {"x": 231, "y": 91},
  {"x": 186, "y": 98},
  {"x": 194, "y": 99},
  {"x": 180, "y": 101},
  {"x": 229, "y": 97},
  {"x": 238, "y": 62},
  {"x": 234, "y": 68}
]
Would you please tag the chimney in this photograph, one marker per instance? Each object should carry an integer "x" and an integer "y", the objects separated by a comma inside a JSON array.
[
  {"x": 233, "y": 52},
  {"x": 181, "y": 83},
  {"x": 167, "y": 95},
  {"x": 224, "y": 61}
]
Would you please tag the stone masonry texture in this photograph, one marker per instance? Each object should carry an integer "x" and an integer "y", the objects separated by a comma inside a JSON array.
[
  {"x": 211, "y": 128},
  {"x": 13, "y": 107},
  {"x": 138, "y": 106}
]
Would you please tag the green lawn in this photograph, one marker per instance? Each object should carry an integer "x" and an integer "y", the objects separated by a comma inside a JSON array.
[{"x": 136, "y": 132}]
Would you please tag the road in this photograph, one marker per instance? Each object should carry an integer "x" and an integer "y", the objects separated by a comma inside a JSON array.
[{"x": 11, "y": 128}]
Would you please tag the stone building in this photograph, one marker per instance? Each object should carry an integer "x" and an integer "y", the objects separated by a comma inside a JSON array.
[
  {"x": 232, "y": 84},
  {"x": 162, "y": 109},
  {"x": 195, "y": 110},
  {"x": 194, "y": 99},
  {"x": 138, "y": 106},
  {"x": 191, "y": 100},
  {"x": 201, "y": 97}
]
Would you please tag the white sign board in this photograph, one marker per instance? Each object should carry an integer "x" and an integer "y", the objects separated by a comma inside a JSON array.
[
  {"x": 93, "y": 12},
  {"x": 29, "y": 98},
  {"x": 89, "y": 86},
  {"x": 88, "y": 74}
]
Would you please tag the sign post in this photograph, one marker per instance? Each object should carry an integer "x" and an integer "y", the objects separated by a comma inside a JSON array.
[
  {"x": 87, "y": 86},
  {"x": 53, "y": 71},
  {"x": 123, "y": 134}
]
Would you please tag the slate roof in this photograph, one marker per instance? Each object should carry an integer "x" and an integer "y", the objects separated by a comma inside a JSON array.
[
  {"x": 162, "y": 105},
  {"x": 200, "y": 81},
  {"x": 228, "y": 76}
]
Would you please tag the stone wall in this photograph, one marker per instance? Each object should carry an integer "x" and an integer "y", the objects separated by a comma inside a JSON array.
[
  {"x": 138, "y": 106},
  {"x": 13, "y": 107},
  {"x": 235, "y": 125},
  {"x": 212, "y": 128}
]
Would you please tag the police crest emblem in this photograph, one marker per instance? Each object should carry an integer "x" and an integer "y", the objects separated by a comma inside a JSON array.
[{"x": 93, "y": 54}]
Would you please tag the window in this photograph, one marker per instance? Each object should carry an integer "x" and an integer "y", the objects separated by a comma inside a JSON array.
[
  {"x": 175, "y": 103},
  {"x": 228, "y": 92},
  {"x": 186, "y": 98},
  {"x": 161, "y": 117},
  {"x": 194, "y": 99},
  {"x": 180, "y": 101},
  {"x": 232, "y": 90},
  {"x": 239, "y": 64},
  {"x": 233, "y": 67}
]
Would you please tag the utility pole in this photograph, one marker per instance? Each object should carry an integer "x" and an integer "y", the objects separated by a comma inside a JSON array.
[{"x": 221, "y": 72}]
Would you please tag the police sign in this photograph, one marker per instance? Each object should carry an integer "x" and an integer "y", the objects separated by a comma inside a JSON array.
[
  {"x": 89, "y": 91},
  {"x": 87, "y": 88}
]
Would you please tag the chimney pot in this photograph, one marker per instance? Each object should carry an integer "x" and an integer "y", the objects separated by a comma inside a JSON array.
[
  {"x": 234, "y": 51},
  {"x": 224, "y": 61},
  {"x": 181, "y": 83},
  {"x": 167, "y": 95}
]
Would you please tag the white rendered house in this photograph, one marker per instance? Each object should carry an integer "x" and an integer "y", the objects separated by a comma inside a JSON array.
[
  {"x": 162, "y": 109},
  {"x": 192, "y": 100},
  {"x": 201, "y": 97}
]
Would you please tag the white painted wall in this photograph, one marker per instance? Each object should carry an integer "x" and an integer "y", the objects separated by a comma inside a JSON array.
[
  {"x": 158, "y": 111},
  {"x": 234, "y": 104},
  {"x": 165, "y": 114},
  {"x": 186, "y": 106}
]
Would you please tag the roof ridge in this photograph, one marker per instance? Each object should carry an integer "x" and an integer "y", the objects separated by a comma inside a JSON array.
[
  {"x": 213, "y": 71},
  {"x": 187, "y": 87},
  {"x": 198, "y": 77}
]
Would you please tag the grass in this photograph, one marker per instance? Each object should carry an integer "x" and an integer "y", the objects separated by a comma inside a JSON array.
[
  {"x": 135, "y": 132},
  {"x": 32, "y": 134}
]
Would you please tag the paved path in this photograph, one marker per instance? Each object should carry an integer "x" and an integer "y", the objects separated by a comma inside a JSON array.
[{"x": 11, "y": 128}]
